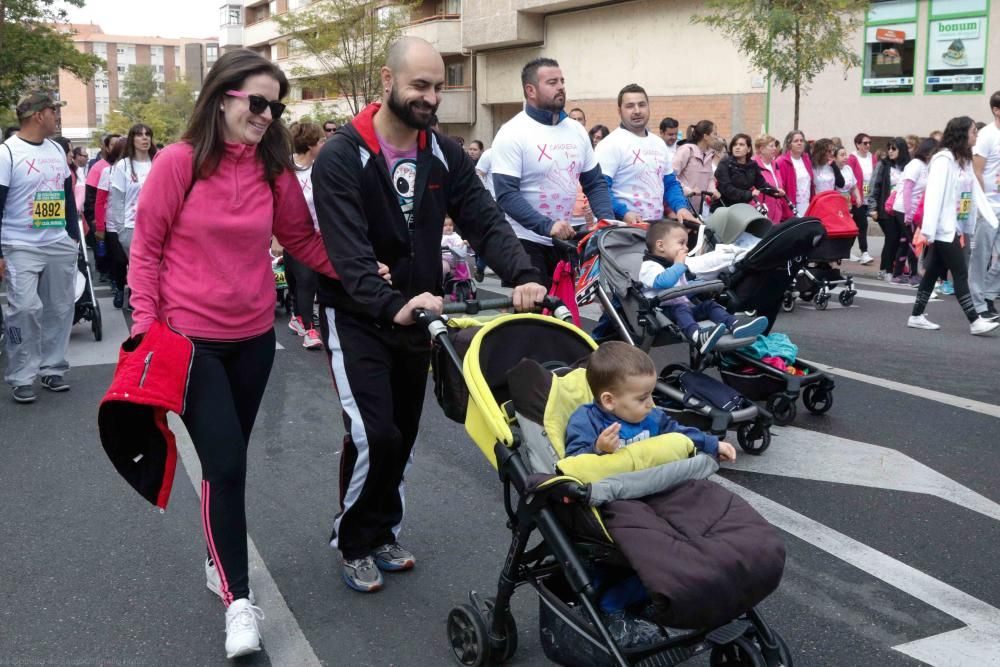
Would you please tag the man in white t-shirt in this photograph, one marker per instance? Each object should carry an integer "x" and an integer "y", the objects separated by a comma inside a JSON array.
[
  {"x": 984, "y": 262},
  {"x": 39, "y": 231},
  {"x": 635, "y": 165},
  {"x": 539, "y": 157},
  {"x": 669, "y": 129}
]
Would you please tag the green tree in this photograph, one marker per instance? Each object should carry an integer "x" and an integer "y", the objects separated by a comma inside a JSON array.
[
  {"x": 32, "y": 50},
  {"x": 343, "y": 45},
  {"x": 164, "y": 108},
  {"x": 791, "y": 40}
]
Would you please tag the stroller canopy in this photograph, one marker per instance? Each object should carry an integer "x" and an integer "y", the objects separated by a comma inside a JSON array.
[
  {"x": 500, "y": 346},
  {"x": 731, "y": 221},
  {"x": 622, "y": 250}
]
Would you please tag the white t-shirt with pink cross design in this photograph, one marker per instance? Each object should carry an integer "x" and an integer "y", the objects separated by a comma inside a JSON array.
[
  {"x": 549, "y": 160},
  {"x": 636, "y": 166}
]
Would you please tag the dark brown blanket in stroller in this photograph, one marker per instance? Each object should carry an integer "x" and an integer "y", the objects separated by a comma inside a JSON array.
[{"x": 703, "y": 553}]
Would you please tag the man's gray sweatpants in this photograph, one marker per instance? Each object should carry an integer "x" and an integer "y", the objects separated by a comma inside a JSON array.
[
  {"x": 984, "y": 265},
  {"x": 39, "y": 314}
]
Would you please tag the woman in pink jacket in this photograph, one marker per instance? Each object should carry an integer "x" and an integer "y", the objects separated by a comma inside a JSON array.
[
  {"x": 795, "y": 174},
  {"x": 766, "y": 148},
  {"x": 200, "y": 263}
]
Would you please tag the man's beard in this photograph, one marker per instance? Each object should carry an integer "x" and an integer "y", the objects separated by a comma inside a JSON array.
[
  {"x": 405, "y": 112},
  {"x": 554, "y": 105}
]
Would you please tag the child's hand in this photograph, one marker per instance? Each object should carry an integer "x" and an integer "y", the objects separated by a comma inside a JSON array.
[
  {"x": 726, "y": 452},
  {"x": 607, "y": 441},
  {"x": 681, "y": 257}
]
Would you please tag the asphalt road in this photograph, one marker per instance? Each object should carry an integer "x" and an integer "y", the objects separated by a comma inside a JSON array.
[{"x": 889, "y": 505}]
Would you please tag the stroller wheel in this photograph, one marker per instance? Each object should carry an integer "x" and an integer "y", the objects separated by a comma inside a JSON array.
[
  {"x": 502, "y": 652},
  {"x": 821, "y": 300},
  {"x": 846, "y": 298},
  {"x": 741, "y": 652},
  {"x": 95, "y": 323},
  {"x": 817, "y": 399},
  {"x": 782, "y": 408},
  {"x": 468, "y": 636},
  {"x": 788, "y": 303},
  {"x": 754, "y": 438}
]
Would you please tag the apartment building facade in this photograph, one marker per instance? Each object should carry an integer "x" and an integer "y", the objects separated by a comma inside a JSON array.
[
  {"x": 911, "y": 81},
  {"x": 88, "y": 104}
]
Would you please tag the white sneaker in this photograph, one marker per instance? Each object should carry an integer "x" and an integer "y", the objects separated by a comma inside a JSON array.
[
  {"x": 312, "y": 340},
  {"x": 295, "y": 324},
  {"x": 242, "y": 633},
  {"x": 214, "y": 583},
  {"x": 921, "y": 322},
  {"x": 982, "y": 326},
  {"x": 866, "y": 258}
]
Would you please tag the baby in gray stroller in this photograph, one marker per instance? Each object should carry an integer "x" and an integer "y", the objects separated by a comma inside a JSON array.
[{"x": 664, "y": 267}]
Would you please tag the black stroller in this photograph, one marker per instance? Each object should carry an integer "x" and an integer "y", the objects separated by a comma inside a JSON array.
[
  {"x": 514, "y": 390},
  {"x": 758, "y": 283},
  {"x": 86, "y": 308}
]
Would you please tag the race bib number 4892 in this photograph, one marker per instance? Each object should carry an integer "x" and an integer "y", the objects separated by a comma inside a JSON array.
[{"x": 49, "y": 210}]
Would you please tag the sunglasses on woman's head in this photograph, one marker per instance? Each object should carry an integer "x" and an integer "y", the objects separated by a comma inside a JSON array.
[{"x": 258, "y": 103}]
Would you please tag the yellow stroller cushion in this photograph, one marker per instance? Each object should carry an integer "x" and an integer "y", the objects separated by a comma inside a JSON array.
[
  {"x": 642, "y": 455},
  {"x": 567, "y": 393}
]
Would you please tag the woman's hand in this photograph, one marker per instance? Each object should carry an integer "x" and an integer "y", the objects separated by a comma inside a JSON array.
[{"x": 383, "y": 272}]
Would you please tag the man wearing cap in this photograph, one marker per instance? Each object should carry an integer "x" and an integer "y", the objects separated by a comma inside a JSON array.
[{"x": 39, "y": 233}]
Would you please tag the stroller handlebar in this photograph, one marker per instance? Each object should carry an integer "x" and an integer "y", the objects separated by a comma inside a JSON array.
[{"x": 475, "y": 306}]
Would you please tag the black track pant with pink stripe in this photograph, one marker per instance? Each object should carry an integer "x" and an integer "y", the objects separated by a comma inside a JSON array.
[
  {"x": 227, "y": 384},
  {"x": 381, "y": 375}
]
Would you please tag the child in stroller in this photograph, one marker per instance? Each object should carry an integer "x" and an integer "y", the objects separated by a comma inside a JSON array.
[
  {"x": 622, "y": 379},
  {"x": 458, "y": 283},
  {"x": 699, "y": 591},
  {"x": 664, "y": 267}
]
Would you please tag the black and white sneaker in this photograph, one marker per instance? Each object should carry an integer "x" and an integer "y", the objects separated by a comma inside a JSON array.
[
  {"x": 991, "y": 314},
  {"x": 24, "y": 394},
  {"x": 54, "y": 383},
  {"x": 706, "y": 339},
  {"x": 749, "y": 327}
]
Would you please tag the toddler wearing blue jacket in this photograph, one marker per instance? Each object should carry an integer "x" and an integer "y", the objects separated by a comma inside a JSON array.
[{"x": 622, "y": 379}]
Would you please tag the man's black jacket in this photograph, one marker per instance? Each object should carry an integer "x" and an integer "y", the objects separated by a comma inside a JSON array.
[{"x": 362, "y": 224}]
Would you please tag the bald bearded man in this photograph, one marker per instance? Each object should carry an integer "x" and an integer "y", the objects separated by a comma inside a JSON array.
[{"x": 382, "y": 186}]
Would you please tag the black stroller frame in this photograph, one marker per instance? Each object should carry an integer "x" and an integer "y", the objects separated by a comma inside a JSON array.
[
  {"x": 484, "y": 631},
  {"x": 86, "y": 307}
]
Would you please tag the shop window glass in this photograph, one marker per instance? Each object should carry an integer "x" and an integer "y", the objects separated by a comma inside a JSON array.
[
  {"x": 956, "y": 47},
  {"x": 892, "y": 10},
  {"x": 889, "y": 58}
]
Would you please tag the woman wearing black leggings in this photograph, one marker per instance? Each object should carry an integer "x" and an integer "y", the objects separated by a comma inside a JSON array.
[
  {"x": 952, "y": 201},
  {"x": 199, "y": 262},
  {"x": 887, "y": 175}
]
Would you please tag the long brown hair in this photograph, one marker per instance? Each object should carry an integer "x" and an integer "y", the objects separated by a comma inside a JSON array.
[
  {"x": 205, "y": 130},
  {"x": 130, "y": 145}
]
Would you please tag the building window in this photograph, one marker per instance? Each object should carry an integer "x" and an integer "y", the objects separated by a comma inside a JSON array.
[
  {"x": 313, "y": 94},
  {"x": 956, "y": 46},
  {"x": 121, "y": 69},
  {"x": 120, "y": 50},
  {"x": 455, "y": 75},
  {"x": 890, "y": 47},
  {"x": 231, "y": 15},
  {"x": 452, "y": 6},
  {"x": 211, "y": 54}
]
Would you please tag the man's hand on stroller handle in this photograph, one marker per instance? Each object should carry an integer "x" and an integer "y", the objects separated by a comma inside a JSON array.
[
  {"x": 527, "y": 297},
  {"x": 561, "y": 230},
  {"x": 426, "y": 302}
]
